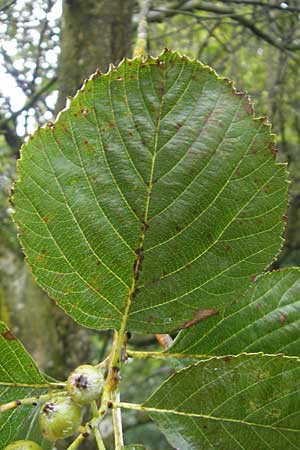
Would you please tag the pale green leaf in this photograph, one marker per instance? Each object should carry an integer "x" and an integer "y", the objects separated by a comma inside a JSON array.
[
  {"x": 153, "y": 196},
  {"x": 19, "y": 379},
  {"x": 266, "y": 319},
  {"x": 246, "y": 402}
]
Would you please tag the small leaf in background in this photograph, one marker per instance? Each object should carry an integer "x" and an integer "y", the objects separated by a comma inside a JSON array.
[
  {"x": 19, "y": 379},
  {"x": 246, "y": 402},
  {"x": 266, "y": 319},
  {"x": 155, "y": 193}
]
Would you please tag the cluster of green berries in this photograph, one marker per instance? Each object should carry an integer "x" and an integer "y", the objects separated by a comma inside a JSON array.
[{"x": 61, "y": 417}]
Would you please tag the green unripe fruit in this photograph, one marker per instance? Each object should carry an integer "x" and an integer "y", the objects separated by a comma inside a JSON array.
[
  {"x": 23, "y": 445},
  {"x": 85, "y": 384},
  {"x": 59, "y": 418}
]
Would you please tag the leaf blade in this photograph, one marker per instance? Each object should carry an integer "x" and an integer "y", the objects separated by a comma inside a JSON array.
[
  {"x": 117, "y": 200},
  {"x": 265, "y": 320},
  {"x": 248, "y": 401},
  {"x": 19, "y": 379}
]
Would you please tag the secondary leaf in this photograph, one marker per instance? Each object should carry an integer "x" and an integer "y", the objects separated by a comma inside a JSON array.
[
  {"x": 266, "y": 319},
  {"x": 19, "y": 378},
  {"x": 155, "y": 195},
  {"x": 245, "y": 402}
]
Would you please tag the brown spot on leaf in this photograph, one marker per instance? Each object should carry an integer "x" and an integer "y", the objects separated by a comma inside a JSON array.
[
  {"x": 249, "y": 108},
  {"x": 40, "y": 258},
  {"x": 45, "y": 219},
  {"x": 253, "y": 278},
  {"x": 227, "y": 358},
  {"x": 178, "y": 126},
  {"x": 119, "y": 79},
  {"x": 273, "y": 150},
  {"x": 160, "y": 64},
  {"x": 200, "y": 315},
  {"x": 282, "y": 319},
  {"x": 8, "y": 335},
  {"x": 285, "y": 218},
  {"x": 84, "y": 111},
  {"x": 151, "y": 319}
]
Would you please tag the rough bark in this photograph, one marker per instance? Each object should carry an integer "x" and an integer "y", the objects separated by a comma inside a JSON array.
[{"x": 94, "y": 34}]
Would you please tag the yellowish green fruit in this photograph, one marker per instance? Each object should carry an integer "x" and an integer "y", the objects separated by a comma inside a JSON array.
[
  {"x": 59, "y": 418},
  {"x": 85, "y": 384},
  {"x": 23, "y": 445}
]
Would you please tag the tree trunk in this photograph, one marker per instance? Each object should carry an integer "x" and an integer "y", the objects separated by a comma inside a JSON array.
[{"x": 95, "y": 33}]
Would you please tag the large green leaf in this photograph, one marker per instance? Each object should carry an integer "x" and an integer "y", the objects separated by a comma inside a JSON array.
[
  {"x": 155, "y": 195},
  {"x": 19, "y": 379},
  {"x": 246, "y": 402},
  {"x": 267, "y": 319}
]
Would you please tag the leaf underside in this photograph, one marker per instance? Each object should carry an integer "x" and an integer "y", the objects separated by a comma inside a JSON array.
[
  {"x": 231, "y": 403},
  {"x": 265, "y": 320},
  {"x": 17, "y": 367},
  {"x": 154, "y": 195}
]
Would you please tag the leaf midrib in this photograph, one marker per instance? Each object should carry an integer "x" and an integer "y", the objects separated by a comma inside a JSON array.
[
  {"x": 140, "y": 249},
  {"x": 202, "y": 416}
]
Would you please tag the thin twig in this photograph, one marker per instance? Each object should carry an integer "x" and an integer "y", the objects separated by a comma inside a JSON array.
[
  {"x": 96, "y": 431},
  {"x": 75, "y": 444},
  {"x": 117, "y": 421}
]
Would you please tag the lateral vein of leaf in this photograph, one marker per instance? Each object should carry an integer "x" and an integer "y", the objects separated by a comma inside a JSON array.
[
  {"x": 182, "y": 93},
  {"x": 206, "y": 282},
  {"x": 71, "y": 211},
  {"x": 120, "y": 134},
  {"x": 265, "y": 213},
  {"x": 250, "y": 386},
  {"x": 100, "y": 140},
  {"x": 196, "y": 424},
  {"x": 94, "y": 195},
  {"x": 217, "y": 240},
  {"x": 131, "y": 115},
  {"x": 64, "y": 256},
  {"x": 10, "y": 349},
  {"x": 247, "y": 236},
  {"x": 273, "y": 331},
  {"x": 259, "y": 319},
  {"x": 267, "y": 404},
  {"x": 142, "y": 95},
  {"x": 232, "y": 437},
  {"x": 213, "y": 154},
  {"x": 43, "y": 190},
  {"x": 287, "y": 439},
  {"x": 225, "y": 318},
  {"x": 146, "y": 409}
]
